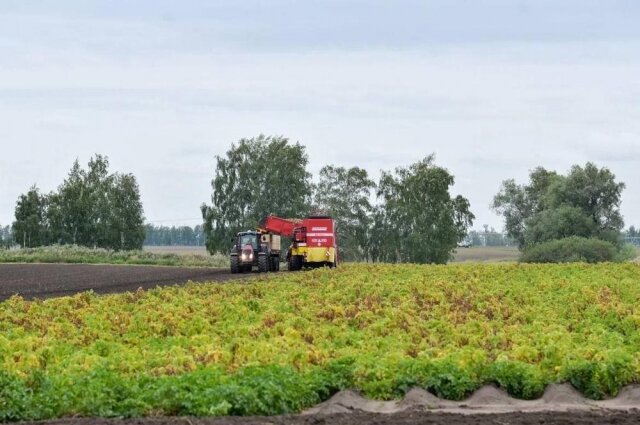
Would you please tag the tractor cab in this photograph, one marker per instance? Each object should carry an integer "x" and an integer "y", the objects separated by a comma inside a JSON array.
[
  {"x": 248, "y": 240},
  {"x": 255, "y": 248}
]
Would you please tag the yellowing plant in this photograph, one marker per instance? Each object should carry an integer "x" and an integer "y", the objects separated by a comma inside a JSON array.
[{"x": 380, "y": 328}]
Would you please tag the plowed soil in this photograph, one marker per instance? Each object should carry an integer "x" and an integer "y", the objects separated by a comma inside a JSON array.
[
  {"x": 53, "y": 280},
  {"x": 404, "y": 418}
]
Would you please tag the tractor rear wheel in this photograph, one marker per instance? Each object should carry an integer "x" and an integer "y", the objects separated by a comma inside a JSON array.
[
  {"x": 234, "y": 263},
  {"x": 263, "y": 263},
  {"x": 274, "y": 264}
]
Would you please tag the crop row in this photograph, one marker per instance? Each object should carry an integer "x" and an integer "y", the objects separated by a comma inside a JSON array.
[{"x": 281, "y": 344}]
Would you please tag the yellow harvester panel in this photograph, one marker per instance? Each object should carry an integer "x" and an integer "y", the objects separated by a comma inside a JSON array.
[{"x": 316, "y": 255}]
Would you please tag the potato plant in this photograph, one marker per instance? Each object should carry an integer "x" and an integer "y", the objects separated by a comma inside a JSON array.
[{"x": 279, "y": 345}]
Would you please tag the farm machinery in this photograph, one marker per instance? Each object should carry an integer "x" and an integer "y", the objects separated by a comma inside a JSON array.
[{"x": 313, "y": 244}]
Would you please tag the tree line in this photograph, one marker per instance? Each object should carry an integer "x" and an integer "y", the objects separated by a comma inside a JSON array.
[
  {"x": 174, "y": 235},
  {"x": 92, "y": 207},
  {"x": 414, "y": 217},
  {"x": 6, "y": 237},
  {"x": 633, "y": 232},
  {"x": 489, "y": 236},
  {"x": 407, "y": 215}
]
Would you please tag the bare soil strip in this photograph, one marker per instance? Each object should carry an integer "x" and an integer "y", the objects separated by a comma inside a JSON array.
[
  {"x": 52, "y": 280},
  {"x": 489, "y": 399},
  {"x": 403, "y": 418}
]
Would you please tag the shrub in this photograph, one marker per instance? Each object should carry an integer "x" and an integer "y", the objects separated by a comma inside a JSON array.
[
  {"x": 627, "y": 252},
  {"x": 570, "y": 250}
]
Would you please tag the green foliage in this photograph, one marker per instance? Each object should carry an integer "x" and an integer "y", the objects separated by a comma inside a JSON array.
[
  {"x": 558, "y": 223},
  {"x": 30, "y": 226},
  {"x": 521, "y": 380},
  {"x": 174, "y": 235},
  {"x": 418, "y": 221},
  {"x": 453, "y": 377},
  {"x": 14, "y": 398},
  {"x": 257, "y": 177},
  {"x": 279, "y": 346},
  {"x": 78, "y": 254},
  {"x": 593, "y": 190},
  {"x": 626, "y": 253},
  {"x": 585, "y": 203},
  {"x": 604, "y": 376},
  {"x": 345, "y": 195},
  {"x": 264, "y": 390},
  {"x": 91, "y": 208},
  {"x": 572, "y": 249},
  {"x": 518, "y": 203},
  {"x": 6, "y": 237}
]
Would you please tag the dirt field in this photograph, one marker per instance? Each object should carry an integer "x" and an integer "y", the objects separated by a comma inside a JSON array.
[
  {"x": 51, "y": 280},
  {"x": 488, "y": 254},
  {"x": 405, "y": 418}
]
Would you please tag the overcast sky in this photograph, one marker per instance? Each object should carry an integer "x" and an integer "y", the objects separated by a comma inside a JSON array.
[{"x": 493, "y": 87}]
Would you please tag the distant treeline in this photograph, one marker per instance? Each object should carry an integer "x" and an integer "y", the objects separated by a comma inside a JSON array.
[
  {"x": 174, "y": 235},
  {"x": 408, "y": 215},
  {"x": 490, "y": 237},
  {"x": 92, "y": 207},
  {"x": 6, "y": 239}
]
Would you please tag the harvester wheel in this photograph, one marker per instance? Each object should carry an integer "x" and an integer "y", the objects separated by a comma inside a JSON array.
[
  {"x": 295, "y": 263},
  {"x": 235, "y": 266},
  {"x": 263, "y": 263}
]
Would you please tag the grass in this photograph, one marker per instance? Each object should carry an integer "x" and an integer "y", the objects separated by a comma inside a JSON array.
[
  {"x": 486, "y": 254},
  {"x": 281, "y": 343},
  {"x": 77, "y": 254},
  {"x": 176, "y": 249}
]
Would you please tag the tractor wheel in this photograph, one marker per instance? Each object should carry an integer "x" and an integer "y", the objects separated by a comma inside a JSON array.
[
  {"x": 274, "y": 264},
  {"x": 263, "y": 263},
  {"x": 290, "y": 264},
  {"x": 235, "y": 266}
]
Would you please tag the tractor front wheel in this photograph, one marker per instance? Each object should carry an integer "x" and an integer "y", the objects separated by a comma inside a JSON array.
[{"x": 234, "y": 264}]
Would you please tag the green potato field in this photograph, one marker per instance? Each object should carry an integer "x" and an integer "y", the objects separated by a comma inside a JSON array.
[{"x": 282, "y": 343}]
